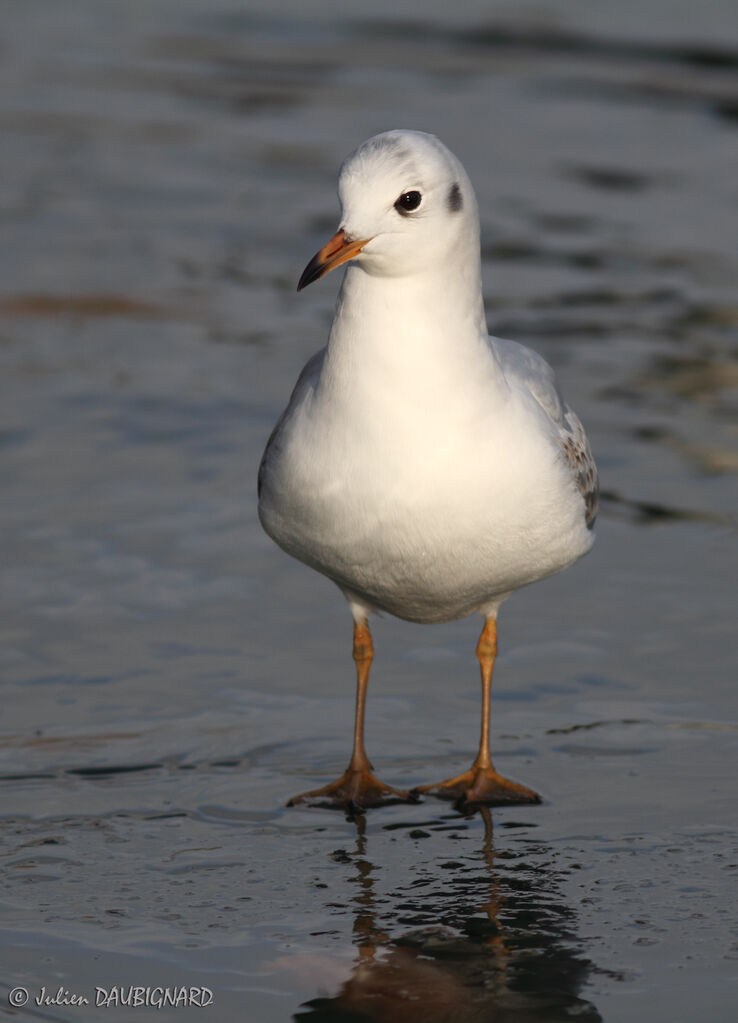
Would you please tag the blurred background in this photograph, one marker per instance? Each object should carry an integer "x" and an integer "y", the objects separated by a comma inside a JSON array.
[{"x": 169, "y": 678}]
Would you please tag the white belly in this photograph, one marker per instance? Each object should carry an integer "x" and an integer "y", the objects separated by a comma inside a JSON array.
[{"x": 419, "y": 522}]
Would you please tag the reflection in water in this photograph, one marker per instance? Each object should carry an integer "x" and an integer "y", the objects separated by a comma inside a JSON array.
[{"x": 486, "y": 939}]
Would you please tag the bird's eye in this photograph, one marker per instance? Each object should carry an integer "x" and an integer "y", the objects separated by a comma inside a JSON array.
[{"x": 408, "y": 202}]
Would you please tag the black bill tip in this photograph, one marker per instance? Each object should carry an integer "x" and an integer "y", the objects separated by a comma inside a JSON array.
[{"x": 312, "y": 272}]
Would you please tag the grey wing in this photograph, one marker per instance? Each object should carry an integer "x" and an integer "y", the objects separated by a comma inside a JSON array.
[
  {"x": 310, "y": 371},
  {"x": 530, "y": 370}
]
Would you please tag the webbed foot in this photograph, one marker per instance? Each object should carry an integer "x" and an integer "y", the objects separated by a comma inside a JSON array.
[
  {"x": 482, "y": 785},
  {"x": 356, "y": 789}
]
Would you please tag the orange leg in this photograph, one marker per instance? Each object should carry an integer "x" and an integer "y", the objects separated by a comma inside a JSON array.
[
  {"x": 357, "y": 788},
  {"x": 481, "y": 783}
]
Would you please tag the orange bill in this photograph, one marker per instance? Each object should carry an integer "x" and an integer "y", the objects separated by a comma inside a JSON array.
[{"x": 336, "y": 251}]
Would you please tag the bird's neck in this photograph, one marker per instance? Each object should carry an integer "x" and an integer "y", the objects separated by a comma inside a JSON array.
[{"x": 413, "y": 333}]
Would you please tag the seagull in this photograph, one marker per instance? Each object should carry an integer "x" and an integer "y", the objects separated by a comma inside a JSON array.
[{"x": 428, "y": 469}]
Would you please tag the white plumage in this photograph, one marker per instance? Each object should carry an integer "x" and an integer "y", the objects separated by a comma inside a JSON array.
[{"x": 426, "y": 468}]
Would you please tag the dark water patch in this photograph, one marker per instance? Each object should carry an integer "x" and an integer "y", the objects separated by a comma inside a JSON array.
[
  {"x": 709, "y": 57},
  {"x": 112, "y": 771},
  {"x": 510, "y": 249},
  {"x": 554, "y": 42},
  {"x": 651, "y": 434},
  {"x": 170, "y": 765},
  {"x": 673, "y": 93},
  {"x": 475, "y": 943},
  {"x": 538, "y": 252},
  {"x": 272, "y": 79},
  {"x": 727, "y": 110},
  {"x": 67, "y": 823},
  {"x": 654, "y": 512},
  {"x": 599, "y": 296},
  {"x": 545, "y": 252},
  {"x": 171, "y": 815},
  {"x": 29, "y": 776},
  {"x": 405, "y": 825},
  {"x": 219, "y": 29},
  {"x": 68, "y": 680},
  {"x": 525, "y": 327},
  {"x": 590, "y": 296},
  {"x": 44, "y": 841},
  {"x": 566, "y": 223},
  {"x": 569, "y": 729},
  {"x": 611, "y": 179},
  {"x": 15, "y": 438}
]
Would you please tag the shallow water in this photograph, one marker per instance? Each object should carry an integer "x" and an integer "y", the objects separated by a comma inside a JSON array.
[{"x": 169, "y": 678}]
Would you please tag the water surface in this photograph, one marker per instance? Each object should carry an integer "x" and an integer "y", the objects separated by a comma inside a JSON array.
[{"x": 169, "y": 678}]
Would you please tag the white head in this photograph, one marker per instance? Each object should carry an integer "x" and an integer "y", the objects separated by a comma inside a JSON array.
[{"x": 407, "y": 204}]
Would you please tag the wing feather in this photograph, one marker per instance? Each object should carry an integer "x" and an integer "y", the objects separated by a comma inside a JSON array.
[
  {"x": 310, "y": 372},
  {"x": 526, "y": 368}
]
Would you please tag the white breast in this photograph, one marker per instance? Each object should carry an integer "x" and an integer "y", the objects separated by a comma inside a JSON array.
[{"x": 429, "y": 490}]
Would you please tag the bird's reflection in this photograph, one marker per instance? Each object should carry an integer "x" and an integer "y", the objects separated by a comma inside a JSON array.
[{"x": 484, "y": 941}]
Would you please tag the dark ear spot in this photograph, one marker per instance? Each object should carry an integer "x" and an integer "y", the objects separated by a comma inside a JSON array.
[{"x": 454, "y": 199}]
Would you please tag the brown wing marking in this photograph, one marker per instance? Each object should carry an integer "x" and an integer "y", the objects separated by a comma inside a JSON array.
[{"x": 579, "y": 457}]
